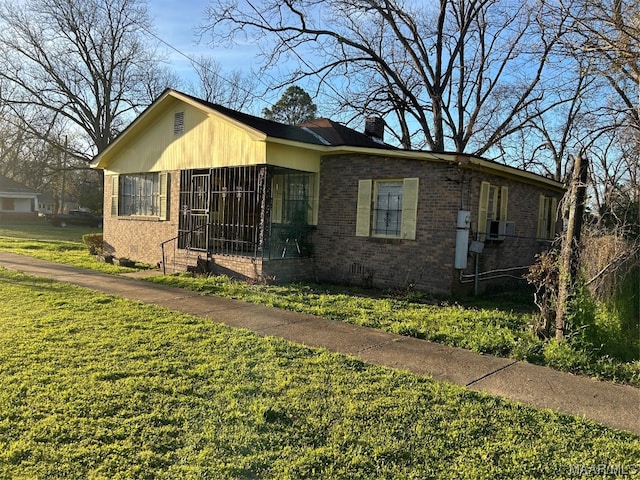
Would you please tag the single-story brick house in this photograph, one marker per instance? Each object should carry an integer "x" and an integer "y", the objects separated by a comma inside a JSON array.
[
  {"x": 16, "y": 200},
  {"x": 193, "y": 183}
]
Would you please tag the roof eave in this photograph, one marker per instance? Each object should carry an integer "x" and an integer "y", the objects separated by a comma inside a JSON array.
[
  {"x": 17, "y": 194},
  {"x": 505, "y": 170},
  {"x": 380, "y": 152},
  {"x": 463, "y": 160}
]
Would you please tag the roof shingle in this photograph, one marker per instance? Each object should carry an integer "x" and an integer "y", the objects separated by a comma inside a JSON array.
[
  {"x": 10, "y": 186},
  {"x": 333, "y": 133}
]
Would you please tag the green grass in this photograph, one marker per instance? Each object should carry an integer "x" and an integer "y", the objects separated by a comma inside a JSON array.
[
  {"x": 497, "y": 331},
  {"x": 40, "y": 229},
  {"x": 41, "y": 240},
  {"x": 481, "y": 330},
  {"x": 498, "y": 326},
  {"x": 97, "y": 387}
]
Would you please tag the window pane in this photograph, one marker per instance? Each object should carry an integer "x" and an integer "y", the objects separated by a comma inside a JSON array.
[
  {"x": 388, "y": 208},
  {"x": 296, "y": 198},
  {"x": 139, "y": 194}
]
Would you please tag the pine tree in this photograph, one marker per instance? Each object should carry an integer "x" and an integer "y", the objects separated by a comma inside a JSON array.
[{"x": 294, "y": 107}]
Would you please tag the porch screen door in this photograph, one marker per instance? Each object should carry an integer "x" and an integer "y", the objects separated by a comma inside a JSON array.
[{"x": 199, "y": 201}]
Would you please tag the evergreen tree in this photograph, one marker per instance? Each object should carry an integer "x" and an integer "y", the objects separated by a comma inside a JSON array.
[{"x": 294, "y": 107}]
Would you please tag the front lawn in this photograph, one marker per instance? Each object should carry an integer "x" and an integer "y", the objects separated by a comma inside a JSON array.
[
  {"x": 42, "y": 240},
  {"x": 484, "y": 326},
  {"x": 94, "y": 386},
  {"x": 496, "y": 331},
  {"x": 40, "y": 229}
]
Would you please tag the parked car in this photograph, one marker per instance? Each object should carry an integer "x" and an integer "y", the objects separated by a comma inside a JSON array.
[{"x": 75, "y": 217}]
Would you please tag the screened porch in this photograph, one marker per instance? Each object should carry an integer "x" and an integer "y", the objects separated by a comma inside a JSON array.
[{"x": 252, "y": 211}]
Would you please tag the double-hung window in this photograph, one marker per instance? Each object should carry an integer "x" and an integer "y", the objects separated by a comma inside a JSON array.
[
  {"x": 139, "y": 194},
  {"x": 387, "y": 208}
]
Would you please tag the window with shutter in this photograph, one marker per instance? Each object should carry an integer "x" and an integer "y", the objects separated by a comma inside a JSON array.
[
  {"x": 387, "y": 208},
  {"x": 163, "y": 197},
  {"x": 493, "y": 205},
  {"x": 483, "y": 209},
  {"x": 409, "y": 208},
  {"x": 114, "y": 195},
  {"x": 363, "y": 219}
]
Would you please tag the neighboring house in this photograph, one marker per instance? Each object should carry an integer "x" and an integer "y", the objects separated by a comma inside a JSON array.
[
  {"x": 190, "y": 182},
  {"x": 16, "y": 200},
  {"x": 47, "y": 204}
]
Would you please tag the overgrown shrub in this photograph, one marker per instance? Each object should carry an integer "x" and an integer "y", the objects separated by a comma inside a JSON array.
[
  {"x": 544, "y": 276},
  {"x": 625, "y": 303},
  {"x": 611, "y": 264},
  {"x": 602, "y": 325},
  {"x": 93, "y": 242},
  {"x": 580, "y": 327},
  {"x": 611, "y": 268},
  {"x": 596, "y": 329}
]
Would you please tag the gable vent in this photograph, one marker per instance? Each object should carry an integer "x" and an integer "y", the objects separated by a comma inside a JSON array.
[{"x": 178, "y": 123}]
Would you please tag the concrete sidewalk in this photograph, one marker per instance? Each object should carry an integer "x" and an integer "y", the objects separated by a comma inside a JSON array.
[{"x": 616, "y": 406}]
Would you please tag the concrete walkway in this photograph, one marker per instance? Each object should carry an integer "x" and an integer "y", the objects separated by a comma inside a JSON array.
[{"x": 616, "y": 406}]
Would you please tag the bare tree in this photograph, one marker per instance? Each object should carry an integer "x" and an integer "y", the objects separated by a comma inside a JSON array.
[
  {"x": 154, "y": 81},
  {"x": 453, "y": 73},
  {"x": 82, "y": 63},
  {"x": 23, "y": 157},
  {"x": 233, "y": 89},
  {"x": 608, "y": 33},
  {"x": 604, "y": 41},
  {"x": 606, "y": 37},
  {"x": 554, "y": 130}
]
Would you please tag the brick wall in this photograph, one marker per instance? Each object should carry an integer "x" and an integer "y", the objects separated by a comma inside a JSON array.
[
  {"x": 428, "y": 261},
  {"x": 139, "y": 238},
  {"x": 514, "y": 251}
]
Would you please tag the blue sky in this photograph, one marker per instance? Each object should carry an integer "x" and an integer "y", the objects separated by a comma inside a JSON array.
[{"x": 176, "y": 23}]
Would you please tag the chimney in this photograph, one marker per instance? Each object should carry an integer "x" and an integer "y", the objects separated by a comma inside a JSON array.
[{"x": 374, "y": 128}]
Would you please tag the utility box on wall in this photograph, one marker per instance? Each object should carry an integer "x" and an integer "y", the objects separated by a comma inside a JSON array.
[{"x": 462, "y": 239}]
